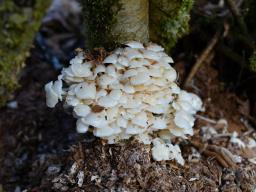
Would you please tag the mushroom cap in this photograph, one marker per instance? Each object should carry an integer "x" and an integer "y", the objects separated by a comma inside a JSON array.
[{"x": 132, "y": 92}]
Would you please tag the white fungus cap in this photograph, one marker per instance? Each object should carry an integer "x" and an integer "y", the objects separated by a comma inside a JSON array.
[
  {"x": 166, "y": 151},
  {"x": 133, "y": 92}
]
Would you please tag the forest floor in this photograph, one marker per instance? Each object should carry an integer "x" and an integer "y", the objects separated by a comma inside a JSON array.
[{"x": 41, "y": 151}]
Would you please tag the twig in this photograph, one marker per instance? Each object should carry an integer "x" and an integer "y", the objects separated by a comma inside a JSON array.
[
  {"x": 217, "y": 156},
  {"x": 205, "y": 54},
  {"x": 222, "y": 155},
  {"x": 230, "y": 54},
  {"x": 206, "y": 119},
  {"x": 236, "y": 13},
  {"x": 225, "y": 154}
]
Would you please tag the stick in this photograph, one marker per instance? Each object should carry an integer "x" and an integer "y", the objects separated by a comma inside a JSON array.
[
  {"x": 202, "y": 57},
  {"x": 236, "y": 13}
]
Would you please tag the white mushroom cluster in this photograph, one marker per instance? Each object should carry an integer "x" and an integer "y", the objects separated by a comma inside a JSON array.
[{"x": 133, "y": 92}]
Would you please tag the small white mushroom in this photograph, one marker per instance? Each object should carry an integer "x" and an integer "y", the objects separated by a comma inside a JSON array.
[
  {"x": 170, "y": 74},
  {"x": 176, "y": 153},
  {"x": 80, "y": 177},
  {"x": 151, "y": 55},
  {"x": 77, "y": 59},
  {"x": 140, "y": 119},
  {"x": 96, "y": 120},
  {"x": 115, "y": 94},
  {"x": 111, "y": 59},
  {"x": 144, "y": 138},
  {"x": 112, "y": 113},
  {"x": 135, "y": 44},
  {"x": 133, "y": 129},
  {"x": 81, "y": 127},
  {"x": 107, "y": 102},
  {"x": 166, "y": 59},
  {"x": 53, "y": 93},
  {"x": 81, "y": 70},
  {"x": 183, "y": 120},
  {"x": 140, "y": 78},
  {"x": 155, "y": 72},
  {"x": 99, "y": 69},
  {"x": 159, "y": 123},
  {"x": 137, "y": 63},
  {"x": 160, "y": 152},
  {"x": 111, "y": 71},
  {"x": 157, "y": 109},
  {"x": 123, "y": 61},
  {"x": 72, "y": 100},
  {"x": 127, "y": 88},
  {"x": 105, "y": 132},
  {"x": 85, "y": 91},
  {"x": 106, "y": 80},
  {"x": 122, "y": 122},
  {"x": 82, "y": 110},
  {"x": 130, "y": 73},
  {"x": 133, "y": 54},
  {"x": 101, "y": 93},
  {"x": 154, "y": 47}
]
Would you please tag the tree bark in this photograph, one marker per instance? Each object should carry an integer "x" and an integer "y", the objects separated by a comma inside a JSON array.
[
  {"x": 169, "y": 21},
  {"x": 108, "y": 23}
]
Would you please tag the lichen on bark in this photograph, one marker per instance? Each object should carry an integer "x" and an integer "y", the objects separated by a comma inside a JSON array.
[
  {"x": 18, "y": 28},
  {"x": 169, "y": 21},
  {"x": 110, "y": 22}
]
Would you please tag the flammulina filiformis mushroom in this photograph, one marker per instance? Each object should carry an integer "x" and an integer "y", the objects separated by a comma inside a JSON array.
[{"x": 132, "y": 92}]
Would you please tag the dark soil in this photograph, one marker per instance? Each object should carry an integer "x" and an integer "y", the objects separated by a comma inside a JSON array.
[{"x": 41, "y": 151}]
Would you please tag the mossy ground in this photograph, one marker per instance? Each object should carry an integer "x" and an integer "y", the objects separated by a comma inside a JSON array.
[{"x": 18, "y": 28}]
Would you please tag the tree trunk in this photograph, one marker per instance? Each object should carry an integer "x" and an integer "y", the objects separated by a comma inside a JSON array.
[
  {"x": 169, "y": 21},
  {"x": 110, "y": 22}
]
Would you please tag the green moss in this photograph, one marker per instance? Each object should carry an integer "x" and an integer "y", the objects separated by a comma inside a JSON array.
[
  {"x": 252, "y": 60},
  {"x": 99, "y": 16},
  {"x": 110, "y": 22},
  {"x": 169, "y": 21},
  {"x": 18, "y": 28}
]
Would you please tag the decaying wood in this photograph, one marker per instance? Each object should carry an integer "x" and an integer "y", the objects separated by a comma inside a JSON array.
[{"x": 222, "y": 155}]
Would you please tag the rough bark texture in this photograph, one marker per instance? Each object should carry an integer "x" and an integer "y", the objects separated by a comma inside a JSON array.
[
  {"x": 109, "y": 22},
  {"x": 19, "y": 23},
  {"x": 169, "y": 21}
]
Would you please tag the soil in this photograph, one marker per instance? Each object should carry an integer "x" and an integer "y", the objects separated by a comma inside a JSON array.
[{"x": 41, "y": 151}]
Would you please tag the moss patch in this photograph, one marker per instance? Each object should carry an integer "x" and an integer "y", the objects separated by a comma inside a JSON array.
[
  {"x": 99, "y": 16},
  {"x": 169, "y": 21},
  {"x": 110, "y": 22},
  {"x": 18, "y": 28},
  {"x": 252, "y": 62}
]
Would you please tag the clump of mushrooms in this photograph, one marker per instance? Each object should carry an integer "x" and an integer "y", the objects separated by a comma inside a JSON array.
[{"x": 133, "y": 92}]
